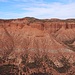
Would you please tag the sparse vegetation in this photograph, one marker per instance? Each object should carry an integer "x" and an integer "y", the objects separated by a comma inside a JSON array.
[{"x": 17, "y": 56}]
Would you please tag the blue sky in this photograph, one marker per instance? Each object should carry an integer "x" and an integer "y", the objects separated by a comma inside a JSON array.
[{"x": 62, "y": 9}]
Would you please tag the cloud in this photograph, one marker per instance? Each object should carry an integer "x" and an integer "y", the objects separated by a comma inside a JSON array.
[
  {"x": 34, "y": 1},
  {"x": 66, "y": 1},
  {"x": 58, "y": 10},
  {"x": 3, "y": 0},
  {"x": 42, "y": 10}
]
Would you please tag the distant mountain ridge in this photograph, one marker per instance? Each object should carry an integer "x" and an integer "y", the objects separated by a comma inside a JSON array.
[{"x": 37, "y": 32}]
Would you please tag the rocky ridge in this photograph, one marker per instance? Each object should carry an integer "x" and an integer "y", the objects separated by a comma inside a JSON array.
[{"x": 37, "y": 36}]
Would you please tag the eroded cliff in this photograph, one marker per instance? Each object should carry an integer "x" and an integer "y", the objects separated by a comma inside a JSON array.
[{"x": 37, "y": 37}]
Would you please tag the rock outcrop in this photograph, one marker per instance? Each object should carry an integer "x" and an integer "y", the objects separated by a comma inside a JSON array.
[
  {"x": 37, "y": 31},
  {"x": 32, "y": 36}
]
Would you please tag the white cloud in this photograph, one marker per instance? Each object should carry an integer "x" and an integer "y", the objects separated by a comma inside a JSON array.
[
  {"x": 53, "y": 10},
  {"x": 66, "y": 1},
  {"x": 43, "y": 10},
  {"x": 3, "y": 0},
  {"x": 34, "y": 1}
]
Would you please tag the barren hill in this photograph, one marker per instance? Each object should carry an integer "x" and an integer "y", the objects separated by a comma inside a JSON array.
[
  {"x": 36, "y": 36},
  {"x": 45, "y": 34}
]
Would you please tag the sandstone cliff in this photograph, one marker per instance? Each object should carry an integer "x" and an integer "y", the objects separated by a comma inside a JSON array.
[
  {"x": 32, "y": 36},
  {"x": 37, "y": 32}
]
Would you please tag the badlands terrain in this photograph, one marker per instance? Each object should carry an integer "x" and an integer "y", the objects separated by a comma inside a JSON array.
[{"x": 30, "y": 46}]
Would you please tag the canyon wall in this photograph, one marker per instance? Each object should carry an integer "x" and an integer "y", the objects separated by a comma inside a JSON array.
[{"x": 26, "y": 40}]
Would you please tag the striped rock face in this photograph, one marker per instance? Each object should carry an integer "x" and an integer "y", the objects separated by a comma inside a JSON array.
[{"x": 32, "y": 36}]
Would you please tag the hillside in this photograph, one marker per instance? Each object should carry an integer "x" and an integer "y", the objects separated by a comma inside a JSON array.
[{"x": 37, "y": 37}]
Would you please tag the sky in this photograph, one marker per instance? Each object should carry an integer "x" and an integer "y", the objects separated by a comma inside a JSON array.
[{"x": 42, "y": 9}]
